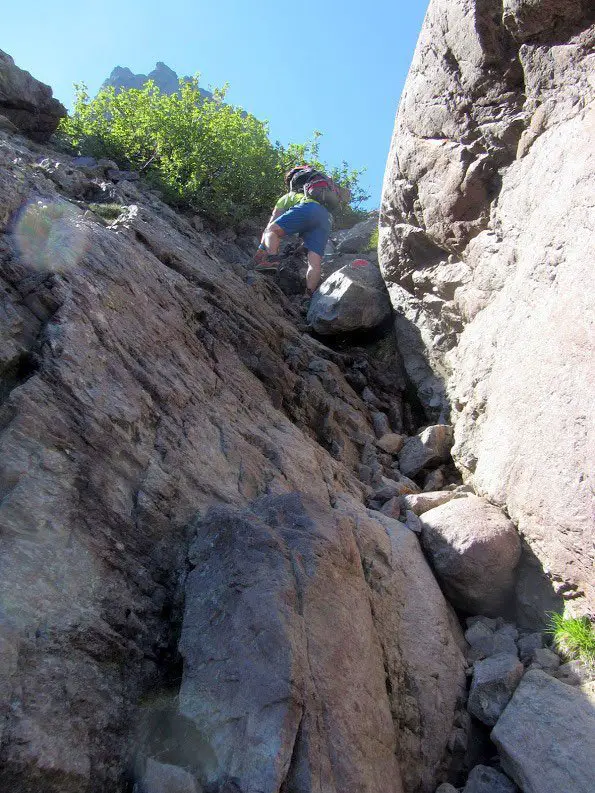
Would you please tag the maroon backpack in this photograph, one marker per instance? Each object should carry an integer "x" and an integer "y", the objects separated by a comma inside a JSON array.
[{"x": 316, "y": 185}]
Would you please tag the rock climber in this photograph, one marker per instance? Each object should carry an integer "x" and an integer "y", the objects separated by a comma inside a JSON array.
[{"x": 297, "y": 212}]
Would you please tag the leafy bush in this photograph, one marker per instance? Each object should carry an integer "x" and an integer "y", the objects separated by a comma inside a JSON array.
[
  {"x": 201, "y": 153},
  {"x": 574, "y": 637}
]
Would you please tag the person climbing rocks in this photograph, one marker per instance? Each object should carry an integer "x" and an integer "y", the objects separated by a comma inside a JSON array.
[{"x": 304, "y": 210}]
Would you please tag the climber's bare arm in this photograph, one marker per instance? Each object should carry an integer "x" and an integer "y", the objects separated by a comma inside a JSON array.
[{"x": 276, "y": 213}]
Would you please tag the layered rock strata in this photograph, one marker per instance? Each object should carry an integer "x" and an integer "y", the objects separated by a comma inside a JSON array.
[{"x": 486, "y": 245}]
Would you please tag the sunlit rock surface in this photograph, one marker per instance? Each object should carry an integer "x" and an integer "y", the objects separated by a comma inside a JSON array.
[{"x": 486, "y": 245}]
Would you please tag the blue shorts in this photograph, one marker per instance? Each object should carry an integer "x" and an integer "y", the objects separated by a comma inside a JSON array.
[{"x": 311, "y": 221}]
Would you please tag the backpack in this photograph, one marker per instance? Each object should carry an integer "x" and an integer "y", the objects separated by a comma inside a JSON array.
[{"x": 316, "y": 185}]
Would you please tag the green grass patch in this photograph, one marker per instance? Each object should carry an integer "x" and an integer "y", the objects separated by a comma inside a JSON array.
[
  {"x": 373, "y": 243},
  {"x": 107, "y": 211},
  {"x": 574, "y": 637}
]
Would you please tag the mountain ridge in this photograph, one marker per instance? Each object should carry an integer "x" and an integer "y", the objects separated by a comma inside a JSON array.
[{"x": 165, "y": 78}]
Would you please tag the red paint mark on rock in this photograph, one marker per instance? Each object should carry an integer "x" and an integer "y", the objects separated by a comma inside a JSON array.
[{"x": 360, "y": 263}]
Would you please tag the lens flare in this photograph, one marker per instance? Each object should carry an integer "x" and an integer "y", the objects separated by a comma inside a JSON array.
[{"x": 51, "y": 235}]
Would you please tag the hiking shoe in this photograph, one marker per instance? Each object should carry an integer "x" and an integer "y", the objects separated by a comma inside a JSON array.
[
  {"x": 260, "y": 254},
  {"x": 265, "y": 261}
]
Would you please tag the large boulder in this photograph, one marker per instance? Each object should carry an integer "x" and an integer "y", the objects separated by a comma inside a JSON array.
[
  {"x": 546, "y": 736},
  {"x": 474, "y": 550},
  {"x": 352, "y": 298},
  {"x": 490, "y": 175},
  {"x": 424, "y": 663},
  {"x": 319, "y": 654},
  {"x": 26, "y": 102}
]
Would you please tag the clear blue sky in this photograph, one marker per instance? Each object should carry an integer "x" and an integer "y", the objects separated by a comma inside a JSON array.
[{"x": 336, "y": 66}]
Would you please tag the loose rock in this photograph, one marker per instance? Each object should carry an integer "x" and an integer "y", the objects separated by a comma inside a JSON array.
[
  {"x": 504, "y": 642},
  {"x": 575, "y": 673},
  {"x": 493, "y": 684},
  {"x": 489, "y": 622},
  {"x": 528, "y": 644},
  {"x": 484, "y": 779},
  {"x": 428, "y": 449},
  {"x": 477, "y": 632},
  {"x": 164, "y": 778},
  {"x": 390, "y": 488},
  {"x": 434, "y": 481},
  {"x": 423, "y": 502},
  {"x": 413, "y": 522},
  {"x": 392, "y": 508},
  {"x": 486, "y": 642},
  {"x": 474, "y": 549},
  {"x": 381, "y": 426},
  {"x": 546, "y": 659},
  {"x": 391, "y": 442}
]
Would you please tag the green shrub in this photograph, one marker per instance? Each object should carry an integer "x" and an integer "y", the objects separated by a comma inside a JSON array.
[
  {"x": 201, "y": 153},
  {"x": 574, "y": 637}
]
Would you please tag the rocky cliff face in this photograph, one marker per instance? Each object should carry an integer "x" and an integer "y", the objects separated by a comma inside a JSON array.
[
  {"x": 157, "y": 395},
  {"x": 227, "y": 547},
  {"x": 487, "y": 247},
  {"x": 25, "y": 103}
]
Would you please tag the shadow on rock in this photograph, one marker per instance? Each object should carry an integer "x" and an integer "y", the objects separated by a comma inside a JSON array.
[{"x": 536, "y": 595}]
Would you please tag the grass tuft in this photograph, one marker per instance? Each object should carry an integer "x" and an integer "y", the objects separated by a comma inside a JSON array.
[
  {"x": 373, "y": 242},
  {"x": 107, "y": 211},
  {"x": 574, "y": 637}
]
